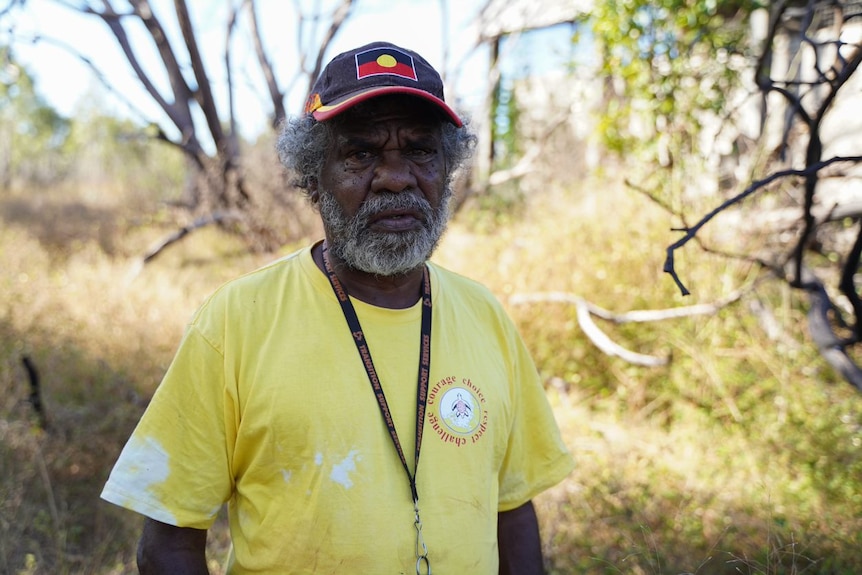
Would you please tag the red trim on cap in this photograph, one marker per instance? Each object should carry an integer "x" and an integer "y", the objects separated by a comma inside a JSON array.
[{"x": 325, "y": 112}]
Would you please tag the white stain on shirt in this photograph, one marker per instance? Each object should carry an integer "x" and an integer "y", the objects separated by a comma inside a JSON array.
[
  {"x": 145, "y": 462},
  {"x": 143, "y": 465},
  {"x": 285, "y": 474},
  {"x": 318, "y": 458},
  {"x": 341, "y": 471}
]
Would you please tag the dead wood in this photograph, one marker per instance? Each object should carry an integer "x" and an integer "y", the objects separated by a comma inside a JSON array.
[
  {"x": 35, "y": 396},
  {"x": 831, "y": 346},
  {"x": 156, "y": 249}
]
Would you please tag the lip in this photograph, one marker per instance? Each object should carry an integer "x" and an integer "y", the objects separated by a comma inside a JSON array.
[{"x": 396, "y": 220}]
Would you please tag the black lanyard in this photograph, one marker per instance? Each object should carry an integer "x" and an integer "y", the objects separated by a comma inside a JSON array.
[{"x": 365, "y": 356}]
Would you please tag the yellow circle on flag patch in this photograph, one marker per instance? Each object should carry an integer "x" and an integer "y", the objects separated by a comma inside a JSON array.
[{"x": 387, "y": 61}]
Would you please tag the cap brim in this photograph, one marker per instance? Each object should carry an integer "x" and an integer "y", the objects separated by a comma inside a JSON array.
[{"x": 324, "y": 113}]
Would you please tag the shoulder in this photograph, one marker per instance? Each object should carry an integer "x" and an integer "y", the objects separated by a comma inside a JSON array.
[
  {"x": 268, "y": 278},
  {"x": 469, "y": 298},
  {"x": 453, "y": 284},
  {"x": 253, "y": 293}
]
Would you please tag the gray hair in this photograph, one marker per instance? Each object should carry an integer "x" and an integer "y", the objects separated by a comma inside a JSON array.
[{"x": 303, "y": 144}]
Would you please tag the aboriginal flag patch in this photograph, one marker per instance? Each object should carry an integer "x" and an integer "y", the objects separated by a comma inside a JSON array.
[{"x": 385, "y": 61}]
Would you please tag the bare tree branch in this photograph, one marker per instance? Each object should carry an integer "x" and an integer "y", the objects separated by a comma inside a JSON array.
[
  {"x": 159, "y": 247},
  {"x": 848, "y": 283},
  {"x": 692, "y": 231},
  {"x": 831, "y": 347},
  {"x": 177, "y": 111},
  {"x": 12, "y": 3},
  {"x": 525, "y": 163},
  {"x": 203, "y": 90},
  {"x": 231, "y": 105},
  {"x": 339, "y": 15},
  {"x": 275, "y": 94}
]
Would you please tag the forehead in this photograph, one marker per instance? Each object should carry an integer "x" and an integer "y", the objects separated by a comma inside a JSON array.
[{"x": 403, "y": 111}]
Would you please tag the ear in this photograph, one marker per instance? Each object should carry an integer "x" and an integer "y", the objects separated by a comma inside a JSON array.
[{"x": 313, "y": 192}]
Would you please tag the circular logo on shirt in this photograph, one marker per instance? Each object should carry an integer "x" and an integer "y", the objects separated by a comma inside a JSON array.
[
  {"x": 457, "y": 411},
  {"x": 460, "y": 410}
]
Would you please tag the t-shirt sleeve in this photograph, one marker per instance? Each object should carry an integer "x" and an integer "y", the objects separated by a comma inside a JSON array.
[
  {"x": 175, "y": 468},
  {"x": 536, "y": 458}
]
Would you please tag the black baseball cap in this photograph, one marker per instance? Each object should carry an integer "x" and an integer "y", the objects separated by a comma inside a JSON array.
[{"x": 373, "y": 70}]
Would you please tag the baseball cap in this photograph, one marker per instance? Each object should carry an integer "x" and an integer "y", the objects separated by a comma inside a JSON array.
[{"x": 373, "y": 70}]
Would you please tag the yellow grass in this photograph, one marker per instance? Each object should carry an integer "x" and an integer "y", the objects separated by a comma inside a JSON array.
[{"x": 744, "y": 455}]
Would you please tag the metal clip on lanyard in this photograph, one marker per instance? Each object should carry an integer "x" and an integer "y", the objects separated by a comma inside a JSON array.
[
  {"x": 423, "y": 565},
  {"x": 421, "y": 549}
]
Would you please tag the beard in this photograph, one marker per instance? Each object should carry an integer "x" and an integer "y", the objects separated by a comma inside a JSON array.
[{"x": 384, "y": 253}]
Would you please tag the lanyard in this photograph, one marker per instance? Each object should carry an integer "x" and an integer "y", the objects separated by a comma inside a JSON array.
[{"x": 421, "y": 387}]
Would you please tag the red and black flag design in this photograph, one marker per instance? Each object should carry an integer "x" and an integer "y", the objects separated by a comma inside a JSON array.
[{"x": 385, "y": 61}]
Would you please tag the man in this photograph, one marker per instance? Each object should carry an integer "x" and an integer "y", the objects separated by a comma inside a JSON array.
[{"x": 360, "y": 410}]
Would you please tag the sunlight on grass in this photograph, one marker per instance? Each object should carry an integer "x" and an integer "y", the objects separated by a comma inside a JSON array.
[{"x": 743, "y": 455}]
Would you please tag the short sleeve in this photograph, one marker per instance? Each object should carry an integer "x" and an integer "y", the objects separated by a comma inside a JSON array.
[
  {"x": 536, "y": 458},
  {"x": 175, "y": 468}
]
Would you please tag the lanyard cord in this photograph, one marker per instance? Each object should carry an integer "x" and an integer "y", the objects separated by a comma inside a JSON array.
[{"x": 365, "y": 355}]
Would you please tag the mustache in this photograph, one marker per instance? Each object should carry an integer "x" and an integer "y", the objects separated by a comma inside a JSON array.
[{"x": 389, "y": 201}]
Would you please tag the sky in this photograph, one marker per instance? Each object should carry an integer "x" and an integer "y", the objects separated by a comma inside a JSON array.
[{"x": 68, "y": 85}]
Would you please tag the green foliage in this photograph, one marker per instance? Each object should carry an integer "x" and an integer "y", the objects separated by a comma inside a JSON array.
[
  {"x": 33, "y": 133},
  {"x": 116, "y": 153},
  {"x": 40, "y": 148},
  {"x": 741, "y": 456},
  {"x": 669, "y": 66},
  {"x": 505, "y": 126}
]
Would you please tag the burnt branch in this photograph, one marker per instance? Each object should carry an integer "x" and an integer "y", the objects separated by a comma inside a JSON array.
[
  {"x": 832, "y": 348},
  {"x": 847, "y": 284},
  {"x": 692, "y": 231},
  {"x": 35, "y": 396}
]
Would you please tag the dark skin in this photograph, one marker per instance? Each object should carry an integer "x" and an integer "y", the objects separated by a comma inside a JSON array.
[
  {"x": 390, "y": 148},
  {"x": 164, "y": 549},
  {"x": 168, "y": 550}
]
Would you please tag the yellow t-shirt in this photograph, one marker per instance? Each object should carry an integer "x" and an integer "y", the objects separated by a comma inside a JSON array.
[{"x": 267, "y": 406}]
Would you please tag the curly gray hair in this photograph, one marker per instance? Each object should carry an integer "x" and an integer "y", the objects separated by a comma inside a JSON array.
[{"x": 303, "y": 144}]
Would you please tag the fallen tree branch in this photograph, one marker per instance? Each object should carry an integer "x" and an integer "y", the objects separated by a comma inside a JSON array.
[
  {"x": 157, "y": 248},
  {"x": 586, "y": 311},
  {"x": 607, "y": 346},
  {"x": 637, "y": 316}
]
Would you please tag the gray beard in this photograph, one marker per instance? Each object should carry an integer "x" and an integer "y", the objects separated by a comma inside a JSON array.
[{"x": 383, "y": 253}]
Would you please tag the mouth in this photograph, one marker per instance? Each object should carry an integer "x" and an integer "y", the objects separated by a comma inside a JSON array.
[{"x": 395, "y": 220}]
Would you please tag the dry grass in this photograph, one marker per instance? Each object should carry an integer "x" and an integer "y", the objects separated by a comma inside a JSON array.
[{"x": 743, "y": 456}]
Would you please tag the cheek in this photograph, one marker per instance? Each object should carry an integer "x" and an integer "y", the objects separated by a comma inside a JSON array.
[{"x": 433, "y": 177}]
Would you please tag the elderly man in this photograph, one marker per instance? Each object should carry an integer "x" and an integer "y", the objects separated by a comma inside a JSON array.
[{"x": 359, "y": 408}]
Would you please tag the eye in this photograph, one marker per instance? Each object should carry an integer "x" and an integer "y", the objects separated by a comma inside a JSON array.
[
  {"x": 359, "y": 157},
  {"x": 420, "y": 153}
]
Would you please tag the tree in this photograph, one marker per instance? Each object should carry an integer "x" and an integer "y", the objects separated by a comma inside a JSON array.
[
  {"x": 660, "y": 59},
  {"x": 194, "y": 121},
  {"x": 32, "y": 134}
]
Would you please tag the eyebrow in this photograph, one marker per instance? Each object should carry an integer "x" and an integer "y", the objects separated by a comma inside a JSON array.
[{"x": 369, "y": 138}]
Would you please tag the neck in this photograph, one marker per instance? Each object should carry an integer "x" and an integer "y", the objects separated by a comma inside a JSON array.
[{"x": 394, "y": 292}]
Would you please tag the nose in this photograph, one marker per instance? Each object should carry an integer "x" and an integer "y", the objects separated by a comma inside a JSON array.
[{"x": 393, "y": 173}]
